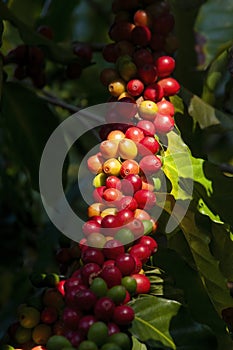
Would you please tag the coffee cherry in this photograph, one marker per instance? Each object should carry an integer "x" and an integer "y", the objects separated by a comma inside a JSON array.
[
  {"x": 142, "y": 252},
  {"x": 41, "y": 334},
  {"x": 165, "y": 66},
  {"x": 149, "y": 242},
  {"x": 157, "y": 42},
  {"x": 95, "y": 209},
  {"x": 108, "y": 75},
  {"x": 129, "y": 282},
  {"x": 57, "y": 342},
  {"x": 166, "y": 107},
  {"x": 127, "y": 70},
  {"x": 127, "y": 149},
  {"x": 116, "y": 135},
  {"x": 142, "y": 18},
  {"x": 110, "y": 54},
  {"x": 116, "y": 87},
  {"x": 111, "y": 250},
  {"x": 98, "y": 333},
  {"x": 125, "y": 236},
  {"x": 71, "y": 318},
  {"x": 104, "y": 309},
  {"x": 83, "y": 50},
  {"x": 124, "y": 216},
  {"x": 92, "y": 255},
  {"x": 164, "y": 24},
  {"x": 86, "y": 345},
  {"x": 148, "y": 145},
  {"x": 150, "y": 164},
  {"x": 129, "y": 166},
  {"x": 49, "y": 315},
  {"x": 163, "y": 123},
  {"x": 46, "y": 31},
  {"x": 112, "y": 166},
  {"x": 143, "y": 283},
  {"x": 29, "y": 317},
  {"x": 121, "y": 31},
  {"x": 112, "y": 195},
  {"x": 125, "y": 263},
  {"x": 170, "y": 86},
  {"x": 85, "y": 323},
  {"x": 99, "y": 287},
  {"x": 123, "y": 315},
  {"x": 134, "y": 133},
  {"x": 131, "y": 183},
  {"x": 111, "y": 275},
  {"x": 113, "y": 182},
  {"x": 109, "y": 222},
  {"x": 22, "y": 335},
  {"x": 124, "y": 47},
  {"x": 127, "y": 202},
  {"x": 142, "y": 56},
  {"x": 121, "y": 339},
  {"x": 91, "y": 226},
  {"x": 136, "y": 227},
  {"x": 141, "y": 35},
  {"x": 85, "y": 299},
  {"x": 109, "y": 148},
  {"x": 97, "y": 194},
  {"x": 147, "y": 73},
  {"x": 96, "y": 240},
  {"x": 89, "y": 271},
  {"x": 147, "y": 127},
  {"x": 148, "y": 110},
  {"x": 94, "y": 163},
  {"x": 146, "y": 199},
  {"x": 75, "y": 337},
  {"x": 153, "y": 92},
  {"x": 135, "y": 87},
  {"x": 117, "y": 294},
  {"x": 113, "y": 328}
]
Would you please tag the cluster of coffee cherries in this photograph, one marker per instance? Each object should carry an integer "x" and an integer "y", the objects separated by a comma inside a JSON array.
[
  {"x": 143, "y": 66},
  {"x": 30, "y": 61},
  {"x": 87, "y": 310}
]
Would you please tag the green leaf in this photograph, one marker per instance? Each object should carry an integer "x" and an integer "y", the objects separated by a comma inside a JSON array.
[
  {"x": 195, "y": 295},
  {"x": 20, "y": 9},
  {"x": 29, "y": 122},
  {"x": 204, "y": 114},
  {"x": 214, "y": 23},
  {"x": 56, "y": 52},
  {"x": 168, "y": 322},
  {"x": 137, "y": 345}
]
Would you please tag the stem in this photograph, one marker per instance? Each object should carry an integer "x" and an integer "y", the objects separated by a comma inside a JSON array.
[{"x": 59, "y": 103}]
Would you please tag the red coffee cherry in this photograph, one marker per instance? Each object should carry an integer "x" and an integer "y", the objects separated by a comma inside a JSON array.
[{"x": 165, "y": 66}]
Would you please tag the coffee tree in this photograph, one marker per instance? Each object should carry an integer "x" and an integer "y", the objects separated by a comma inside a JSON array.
[{"x": 116, "y": 175}]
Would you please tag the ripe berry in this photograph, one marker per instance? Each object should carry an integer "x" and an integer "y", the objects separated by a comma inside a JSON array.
[
  {"x": 147, "y": 127},
  {"x": 150, "y": 164},
  {"x": 129, "y": 166},
  {"x": 104, "y": 309},
  {"x": 146, "y": 199},
  {"x": 149, "y": 242},
  {"x": 166, "y": 107},
  {"x": 97, "y": 194},
  {"x": 108, "y": 223},
  {"x": 142, "y": 56},
  {"x": 147, "y": 73},
  {"x": 90, "y": 227},
  {"x": 111, "y": 274},
  {"x": 112, "y": 195},
  {"x": 49, "y": 315},
  {"x": 83, "y": 50},
  {"x": 113, "y": 328},
  {"x": 125, "y": 263},
  {"x": 108, "y": 75},
  {"x": 136, "y": 227},
  {"x": 141, "y": 35},
  {"x": 142, "y": 252},
  {"x": 165, "y": 66},
  {"x": 153, "y": 92},
  {"x": 85, "y": 299},
  {"x": 92, "y": 255},
  {"x": 164, "y": 24},
  {"x": 143, "y": 283},
  {"x": 127, "y": 202},
  {"x": 123, "y": 315},
  {"x": 121, "y": 31},
  {"x": 124, "y": 216},
  {"x": 113, "y": 182},
  {"x": 85, "y": 323},
  {"x": 142, "y": 18},
  {"x": 134, "y": 133},
  {"x": 135, "y": 87},
  {"x": 89, "y": 271},
  {"x": 170, "y": 86},
  {"x": 112, "y": 249},
  {"x": 71, "y": 318},
  {"x": 163, "y": 123},
  {"x": 110, "y": 55},
  {"x": 148, "y": 145}
]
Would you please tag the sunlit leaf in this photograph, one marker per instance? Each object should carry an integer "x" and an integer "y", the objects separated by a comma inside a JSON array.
[{"x": 168, "y": 323}]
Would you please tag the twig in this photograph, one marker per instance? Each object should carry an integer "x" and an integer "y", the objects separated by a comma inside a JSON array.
[{"x": 57, "y": 102}]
